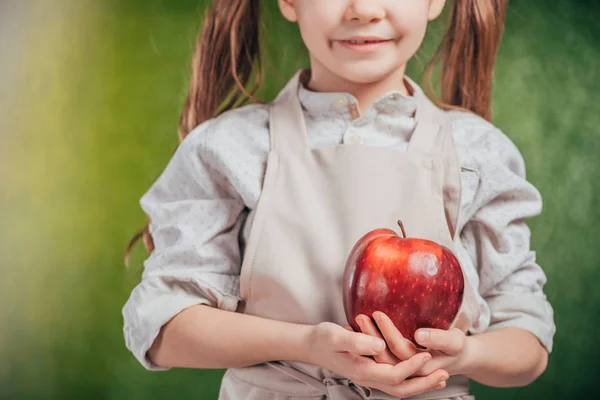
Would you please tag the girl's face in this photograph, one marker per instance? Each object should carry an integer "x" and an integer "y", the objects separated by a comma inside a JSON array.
[{"x": 332, "y": 31}]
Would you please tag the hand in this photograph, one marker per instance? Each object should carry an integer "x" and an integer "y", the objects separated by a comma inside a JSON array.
[
  {"x": 346, "y": 353},
  {"x": 448, "y": 348},
  {"x": 451, "y": 350},
  {"x": 398, "y": 347}
]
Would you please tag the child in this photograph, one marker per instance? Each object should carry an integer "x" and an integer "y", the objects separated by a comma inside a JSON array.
[{"x": 253, "y": 218}]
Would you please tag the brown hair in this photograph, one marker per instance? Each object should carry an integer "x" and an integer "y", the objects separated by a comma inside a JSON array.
[
  {"x": 469, "y": 50},
  {"x": 230, "y": 36}
]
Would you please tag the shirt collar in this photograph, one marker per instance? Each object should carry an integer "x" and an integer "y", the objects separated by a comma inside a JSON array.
[{"x": 393, "y": 103}]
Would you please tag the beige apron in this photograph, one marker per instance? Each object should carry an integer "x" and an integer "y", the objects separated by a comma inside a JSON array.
[{"x": 315, "y": 205}]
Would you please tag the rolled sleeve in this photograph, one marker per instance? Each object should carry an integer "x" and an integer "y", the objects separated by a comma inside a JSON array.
[
  {"x": 195, "y": 223},
  {"x": 498, "y": 240}
]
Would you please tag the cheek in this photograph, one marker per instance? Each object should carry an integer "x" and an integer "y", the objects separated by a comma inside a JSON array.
[
  {"x": 317, "y": 22},
  {"x": 410, "y": 20},
  {"x": 315, "y": 33},
  {"x": 411, "y": 31}
]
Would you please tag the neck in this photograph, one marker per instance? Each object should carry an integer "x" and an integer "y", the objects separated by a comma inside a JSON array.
[{"x": 322, "y": 80}]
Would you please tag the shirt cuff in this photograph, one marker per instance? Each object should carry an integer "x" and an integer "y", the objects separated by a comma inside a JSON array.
[
  {"x": 529, "y": 312},
  {"x": 148, "y": 309}
]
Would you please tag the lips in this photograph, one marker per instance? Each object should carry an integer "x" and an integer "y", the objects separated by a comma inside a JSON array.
[
  {"x": 364, "y": 40},
  {"x": 363, "y": 44}
]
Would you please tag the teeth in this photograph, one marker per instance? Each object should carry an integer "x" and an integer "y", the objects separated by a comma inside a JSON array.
[{"x": 363, "y": 41}]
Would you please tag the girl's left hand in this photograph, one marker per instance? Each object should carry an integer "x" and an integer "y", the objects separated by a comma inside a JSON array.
[{"x": 450, "y": 348}]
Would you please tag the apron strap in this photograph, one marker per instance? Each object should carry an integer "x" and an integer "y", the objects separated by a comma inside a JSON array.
[
  {"x": 329, "y": 387},
  {"x": 433, "y": 135},
  {"x": 287, "y": 128},
  {"x": 452, "y": 182},
  {"x": 426, "y": 138}
]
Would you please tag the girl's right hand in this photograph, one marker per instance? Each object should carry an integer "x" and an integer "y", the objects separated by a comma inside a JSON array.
[{"x": 346, "y": 353}]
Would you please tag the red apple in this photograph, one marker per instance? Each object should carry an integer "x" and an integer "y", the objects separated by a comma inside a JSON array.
[{"x": 418, "y": 283}]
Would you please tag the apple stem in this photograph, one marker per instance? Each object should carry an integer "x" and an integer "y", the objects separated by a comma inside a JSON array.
[{"x": 401, "y": 225}]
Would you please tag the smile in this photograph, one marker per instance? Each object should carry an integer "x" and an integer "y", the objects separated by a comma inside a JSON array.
[{"x": 363, "y": 46}]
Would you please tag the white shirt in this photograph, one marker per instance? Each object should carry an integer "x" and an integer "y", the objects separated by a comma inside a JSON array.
[{"x": 202, "y": 207}]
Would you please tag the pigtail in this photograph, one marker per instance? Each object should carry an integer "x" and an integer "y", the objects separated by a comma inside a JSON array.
[
  {"x": 226, "y": 56},
  {"x": 469, "y": 50}
]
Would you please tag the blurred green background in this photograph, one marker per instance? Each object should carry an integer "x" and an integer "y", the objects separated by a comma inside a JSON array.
[{"x": 90, "y": 92}]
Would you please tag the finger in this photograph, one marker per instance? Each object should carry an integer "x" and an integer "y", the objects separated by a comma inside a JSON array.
[
  {"x": 448, "y": 341},
  {"x": 413, "y": 386},
  {"x": 366, "y": 326},
  {"x": 441, "y": 362},
  {"x": 398, "y": 344},
  {"x": 389, "y": 374},
  {"x": 424, "y": 384},
  {"x": 348, "y": 328},
  {"x": 359, "y": 343},
  {"x": 408, "y": 368}
]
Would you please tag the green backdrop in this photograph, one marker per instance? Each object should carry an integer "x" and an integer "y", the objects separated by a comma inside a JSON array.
[{"x": 90, "y": 94}]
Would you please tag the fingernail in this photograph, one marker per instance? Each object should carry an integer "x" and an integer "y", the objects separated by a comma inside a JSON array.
[
  {"x": 441, "y": 385},
  {"x": 426, "y": 358},
  {"x": 378, "y": 344},
  {"x": 422, "y": 335},
  {"x": 359, "y": 321}
]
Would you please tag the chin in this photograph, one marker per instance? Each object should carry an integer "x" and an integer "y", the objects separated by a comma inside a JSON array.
[{"x": 365, "y": 74}]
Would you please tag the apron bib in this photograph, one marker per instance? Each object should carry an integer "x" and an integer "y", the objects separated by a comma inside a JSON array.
[{"x": 315, "y": 205}]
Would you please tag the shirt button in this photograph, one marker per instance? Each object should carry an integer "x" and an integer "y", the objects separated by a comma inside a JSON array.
[
  {"x": 341, "y": 102},
  {"x": 354, "y": 114},
  {"x": 356, "y": 139}
]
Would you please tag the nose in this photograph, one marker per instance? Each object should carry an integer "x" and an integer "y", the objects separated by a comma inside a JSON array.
[{"x": 365, "y": 11}]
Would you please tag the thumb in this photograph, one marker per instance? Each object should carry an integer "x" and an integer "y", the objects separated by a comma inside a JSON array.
[{"x": 361, "y": 344}]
